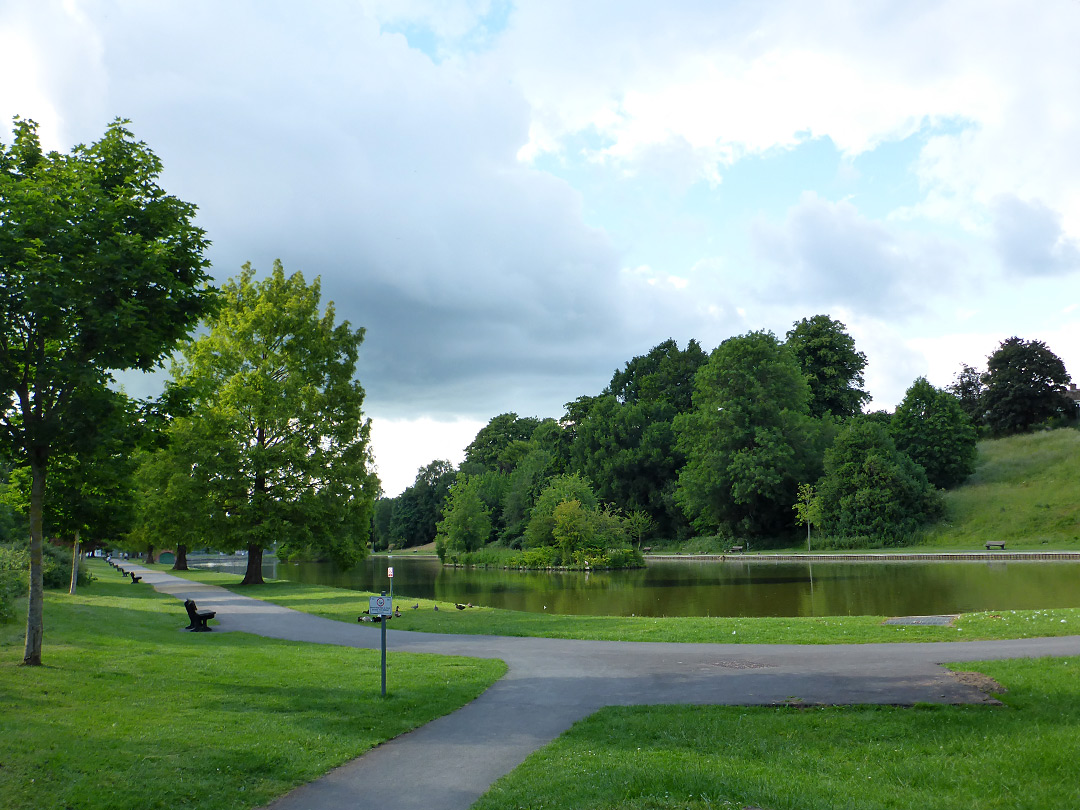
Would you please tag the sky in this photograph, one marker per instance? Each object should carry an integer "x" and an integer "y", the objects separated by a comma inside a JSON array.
[{"x": 516, "y": 198}]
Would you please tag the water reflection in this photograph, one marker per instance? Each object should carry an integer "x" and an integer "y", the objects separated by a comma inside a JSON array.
[{"x": 708, "y": 588}]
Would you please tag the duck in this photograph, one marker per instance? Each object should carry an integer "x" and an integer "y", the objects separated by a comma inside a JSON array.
[{"x": 458, "y": 606}]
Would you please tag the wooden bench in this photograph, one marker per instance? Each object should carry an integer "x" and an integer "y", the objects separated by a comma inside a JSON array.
[
  {"x": 198, "y": 618},
  {"x": 739, "y": 549},
  {"x": 995, "y": 544},
  {"x": 134, "y": 578}
]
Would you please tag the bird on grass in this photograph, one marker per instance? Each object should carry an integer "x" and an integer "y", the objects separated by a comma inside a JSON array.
[
  {"x": 459, "y": 607},
  {"x": 414, "y": 607},
  {"x": 436, "y": 608}
]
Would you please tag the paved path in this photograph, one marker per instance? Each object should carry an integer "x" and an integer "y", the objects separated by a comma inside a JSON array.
[{"x": 552, "y": 683}]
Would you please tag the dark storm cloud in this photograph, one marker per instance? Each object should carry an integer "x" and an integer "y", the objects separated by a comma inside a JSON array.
[{"x": 321, "y": 141}]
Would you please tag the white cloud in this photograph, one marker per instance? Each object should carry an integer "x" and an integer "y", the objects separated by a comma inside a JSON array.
[{"x": 402, "y": 446}]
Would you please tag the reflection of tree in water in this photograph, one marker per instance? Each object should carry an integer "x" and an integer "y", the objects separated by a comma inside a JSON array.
[{"x": 735, "y": 588}]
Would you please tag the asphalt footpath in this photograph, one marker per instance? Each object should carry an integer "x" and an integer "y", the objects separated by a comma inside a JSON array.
[{"x": 552, "y": 683}]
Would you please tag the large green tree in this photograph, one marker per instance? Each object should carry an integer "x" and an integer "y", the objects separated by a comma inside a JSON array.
[
  {"x": 493, "y": 448},
  {"x": 278, "y": 437},
  {"x": 1025, "y": 387},
  {"x": 625, "y": 442},
  {"x": 834, "y": 368},
  {"x": 466, "y": 523},
  {"x": 749, "y": 441},
  {"x": 100, "y": 271},
  {"x": 871, "y": 490},
  {"x": 931, "y": 427}
]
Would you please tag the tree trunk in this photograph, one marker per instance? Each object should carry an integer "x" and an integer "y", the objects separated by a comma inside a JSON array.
[
  {"x": 35, "y": 614},
  {"x": 253, "y": 575},
  {"x": 180, "y": 564},
  {"x": 149, "y": 554},
  {"x": 74, "y": 565}
]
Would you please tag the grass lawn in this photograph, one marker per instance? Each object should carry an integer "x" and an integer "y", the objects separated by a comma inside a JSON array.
[
  {"x": 129, "y": 711},
  {"x": 1020, "y": 755},
  {"x": 345, "y": 605}
]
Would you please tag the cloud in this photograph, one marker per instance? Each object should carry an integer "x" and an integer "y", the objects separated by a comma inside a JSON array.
[
  {"x": 828, "y": 254},
  {"x": 1029, "y": 238}
]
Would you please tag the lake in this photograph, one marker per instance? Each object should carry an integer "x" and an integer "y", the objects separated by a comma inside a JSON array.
[{"x": 711, "y": 588}]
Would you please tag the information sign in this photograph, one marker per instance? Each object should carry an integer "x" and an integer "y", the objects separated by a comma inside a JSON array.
[
  {"x": 380, "y": 606},
  {"x": 390, "y": 572}
]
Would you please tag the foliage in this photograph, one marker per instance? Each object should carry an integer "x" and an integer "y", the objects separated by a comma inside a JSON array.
[
  {"x": 932, "y": 428},
  {"x": 665, "y": 374},
  {"x": 418, "y": 509},
  {"x": 572, "y": 487},
  {"x": 749, "y": 440},
  {"x": 968, "y": 387},
  {"x": 807, "y": 509},
  {"x": 1025, "y": 388},
  {"x": 14, "y": 577},
  {"x": 278, "y": 441},
  {"x": 870, "y": 489},
  {"x": 101, "y": 271},
  {"x": 381, "y": 518},
  {"x": 466, "y": 523},
  {"x": 834, "y": 369},
  {"x": 628, "y": 451},
  {"x": 492, "y": 448}
]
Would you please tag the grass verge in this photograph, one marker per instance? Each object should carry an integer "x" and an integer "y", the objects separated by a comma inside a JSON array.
[
  {"x": 345, "y": 605},
  {"x": 131, "y": 712},
  {"x": 1017, "y": 756}
]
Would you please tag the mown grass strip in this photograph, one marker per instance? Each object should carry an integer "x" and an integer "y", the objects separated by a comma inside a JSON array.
[
  {"x": 1018, "y": 756},
  {"x": 345, "y": 605},
  {"x": 130, "y": 711}
]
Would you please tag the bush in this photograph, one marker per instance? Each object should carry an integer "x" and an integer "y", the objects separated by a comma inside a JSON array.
[{"x": 14, "y": 578}]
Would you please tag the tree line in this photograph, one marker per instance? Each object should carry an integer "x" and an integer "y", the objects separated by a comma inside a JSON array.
[{"x": 746, "y": 443}]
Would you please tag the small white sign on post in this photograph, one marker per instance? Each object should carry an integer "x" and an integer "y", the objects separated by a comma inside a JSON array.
[
  {"x": 390, "y": 572},
  {"x": 380, "y": 606}
]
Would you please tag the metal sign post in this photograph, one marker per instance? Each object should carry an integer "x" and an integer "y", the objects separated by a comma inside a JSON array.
[
  {"x": 383, "y": 607},
  {"x": 390, "y": 573}
]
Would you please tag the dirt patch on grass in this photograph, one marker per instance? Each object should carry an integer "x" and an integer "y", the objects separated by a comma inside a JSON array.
[{"x": 984, "y": 683}]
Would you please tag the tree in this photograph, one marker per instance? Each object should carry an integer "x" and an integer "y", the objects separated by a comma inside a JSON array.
[
  {"x": 872, "y": 490},
  {"x": 418, "y": 509},
  {"x": 749, "y": 440},
  {"x": 665, "y": 374},
  {"x": 493, "y": 440},
  {"x": 807, "y": 509},
  {"x": 466, "y": 523},
  {"x": 826, "y": 354},
  {"x": 625, "y": 442},
  {"x": 1025, "y": 387},
  {"x": 101, "y": 271},
  {"x": 932, "y": 428},
  {"x": 968, "y": 388},
  {"x": 278, "y": 439},
  {"x": 561, "y": 489}
]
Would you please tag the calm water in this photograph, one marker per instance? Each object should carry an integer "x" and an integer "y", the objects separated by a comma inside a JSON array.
[{"x": 730, "y": 588}]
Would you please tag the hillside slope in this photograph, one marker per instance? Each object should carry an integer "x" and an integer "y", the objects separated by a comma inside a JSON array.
[{"x": 1025, "y": 491}]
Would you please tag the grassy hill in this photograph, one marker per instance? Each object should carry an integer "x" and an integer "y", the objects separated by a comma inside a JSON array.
[{"x": 1025, "y": 491}]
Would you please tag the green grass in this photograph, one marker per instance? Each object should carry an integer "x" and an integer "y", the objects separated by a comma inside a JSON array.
[
  {"x": 1024, "y": 491},
  {"x": 129, "y": 711},
  {"x": 1020, "y": 755},
  {"x": 345, "y": 605}
]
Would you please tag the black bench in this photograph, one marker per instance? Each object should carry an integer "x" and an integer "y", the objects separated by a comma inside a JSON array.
[
  {"x": 198, "y": 618},
  {"x": 134, "y": 578},
  {"x": 995, "y": 544}
]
